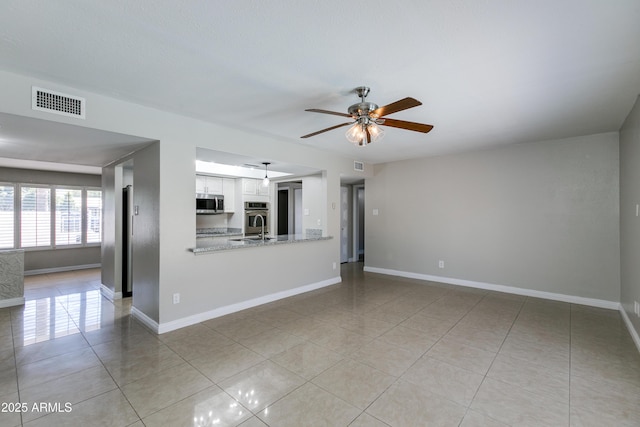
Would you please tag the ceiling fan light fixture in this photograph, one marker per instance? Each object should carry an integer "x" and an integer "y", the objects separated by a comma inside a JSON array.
[
  {"x": 375, "y": 132},
  {"x": 356, "y": 133}
]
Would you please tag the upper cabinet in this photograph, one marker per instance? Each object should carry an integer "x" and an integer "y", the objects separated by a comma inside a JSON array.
[
  {"x": 254, "y": 187},
  {"x": 209, "y": 184},
  {"x": 229, "y": 192}
]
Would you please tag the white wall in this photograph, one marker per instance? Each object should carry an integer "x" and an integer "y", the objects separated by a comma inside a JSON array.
[
  {"x": 313, "y": 207},
  {"x": 205, "y": 282},
  {"x": 210, "y": 281},
  {"x": 629, "y": 221},
  {"x": 539, "y": 216}
]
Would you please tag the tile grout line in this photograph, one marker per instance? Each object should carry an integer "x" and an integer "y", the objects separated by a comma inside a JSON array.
[
  {"x": 468, "y": 408},
  {"x": 55, "y": 379},
  {"x": 422, "y": 355},
  {"x": 570, "y": 354},
  {"x": 15, "y": 361}
]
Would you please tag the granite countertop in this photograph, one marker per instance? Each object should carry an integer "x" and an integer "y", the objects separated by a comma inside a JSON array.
[
  {"x": 240, "y": 243},
  {"x": 203, "y": 233}
]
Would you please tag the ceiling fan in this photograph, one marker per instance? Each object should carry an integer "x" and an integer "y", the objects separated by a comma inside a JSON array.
[{"x": 368, "y": 116}]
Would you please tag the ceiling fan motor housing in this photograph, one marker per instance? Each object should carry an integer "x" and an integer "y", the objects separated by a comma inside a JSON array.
[{"x": 362, "y": 109}]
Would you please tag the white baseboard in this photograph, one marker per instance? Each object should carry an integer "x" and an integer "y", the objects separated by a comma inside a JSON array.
[
  {"x": 613, "y": 305},
  {"x": 632, "y": 330},
  {"x": 11, "y": 302},
  {"x": 109, "y": 294},
  {"x": 146, "y": 320},
  {"x": 61, "y": 269},
  {"x": 222, "y": 311}
]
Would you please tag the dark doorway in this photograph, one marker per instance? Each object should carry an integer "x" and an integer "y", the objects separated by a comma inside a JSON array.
[
  {"x": 127, "y": 202},
  {"x": 283, "y": 212}
]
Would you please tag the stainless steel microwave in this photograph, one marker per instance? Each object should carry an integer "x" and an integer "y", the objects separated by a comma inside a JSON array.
[{"x": 209, "y": 204}]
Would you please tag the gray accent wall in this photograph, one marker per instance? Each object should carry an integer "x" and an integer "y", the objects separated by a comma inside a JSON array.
[
  {"x": 30, "y": 176},
  {"x": 61, "y": 259},
  {"x": 110, "y": 273},
  {"x": 539, "y": 216},
  {"x": 629, "y": 221},
  {"x": 146, "y": 231}
]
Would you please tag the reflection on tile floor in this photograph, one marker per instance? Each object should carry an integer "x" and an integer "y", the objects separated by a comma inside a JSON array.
[{"x": 372, "y": 351}]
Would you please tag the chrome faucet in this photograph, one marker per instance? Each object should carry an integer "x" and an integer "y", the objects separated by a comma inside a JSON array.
[{"x": 255, "y": 224}]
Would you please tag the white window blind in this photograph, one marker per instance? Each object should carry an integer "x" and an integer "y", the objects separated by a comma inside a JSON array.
[
  {"x": 35, "y": 217},
  {"x": 7, "y": 193},
  {"x": 68, "y": 218},
  {"x": 94, "y": 216}
]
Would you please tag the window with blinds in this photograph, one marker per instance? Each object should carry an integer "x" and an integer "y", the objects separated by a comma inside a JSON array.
[
  {"x": 68, "y": 216},
  {"x": 94, "y": 216},
  {"x": 35, "y": 217},
  {"x": 7, "y": 218}
]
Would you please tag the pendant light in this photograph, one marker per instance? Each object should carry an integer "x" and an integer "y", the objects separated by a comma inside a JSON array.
[{"x": 265, "y": 181}]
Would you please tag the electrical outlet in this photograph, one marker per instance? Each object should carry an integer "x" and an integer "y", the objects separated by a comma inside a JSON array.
[
  {"x": 441, "y": 264},
  {"x": 636, "y": 308},
  {"x": 176, "y": 298},
  {"x": 334, "y": 265}
]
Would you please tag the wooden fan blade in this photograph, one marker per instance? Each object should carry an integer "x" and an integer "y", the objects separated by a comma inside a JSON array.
[
  {"x": 394, "y": 107},
  {"x": 418, "y": 127},
  {"x": 327, "y": 129},
  {"x": 315, "y": 110}
]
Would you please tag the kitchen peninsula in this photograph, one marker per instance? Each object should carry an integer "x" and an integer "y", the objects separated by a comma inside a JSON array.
[{"x": 234, "y": 242}]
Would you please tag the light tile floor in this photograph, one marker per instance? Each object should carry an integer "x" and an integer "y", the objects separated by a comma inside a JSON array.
[{"x": 371, "y": 351}]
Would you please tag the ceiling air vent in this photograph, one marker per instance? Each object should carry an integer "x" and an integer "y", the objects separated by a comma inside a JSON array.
[
  {"x": 358, "y": 166},
  {"x": 57, "y": 103}
]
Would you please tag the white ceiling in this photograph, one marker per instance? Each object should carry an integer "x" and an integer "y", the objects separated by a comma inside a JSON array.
[
  {"x": 224, "y": 158},
  {"x": 488, "y": 72},
  {"x": 40, "y": 144}
]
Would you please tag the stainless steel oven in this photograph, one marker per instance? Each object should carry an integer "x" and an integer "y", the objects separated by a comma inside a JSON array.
[{"x": 256, "y": 216}]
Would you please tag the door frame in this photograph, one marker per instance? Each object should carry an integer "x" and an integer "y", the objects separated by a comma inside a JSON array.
[{"x": 356, "y": 214}]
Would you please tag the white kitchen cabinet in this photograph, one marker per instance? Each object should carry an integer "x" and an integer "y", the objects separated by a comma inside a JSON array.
[
  {"x": 262, "y": 190},
  {"x": 229, "y": 192},
  {"x": 209, "y": 184},
  {"x": 254, "y": 187},
  {"x": 249, "y": 187}
]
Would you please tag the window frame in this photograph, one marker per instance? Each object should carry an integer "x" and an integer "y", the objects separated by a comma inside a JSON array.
[
  {"x": 16, "y": 213},
  {"x": 54, "y": 216},
  {"x": 18, "y": 229},
  {"x": 17, "y": 218}
]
